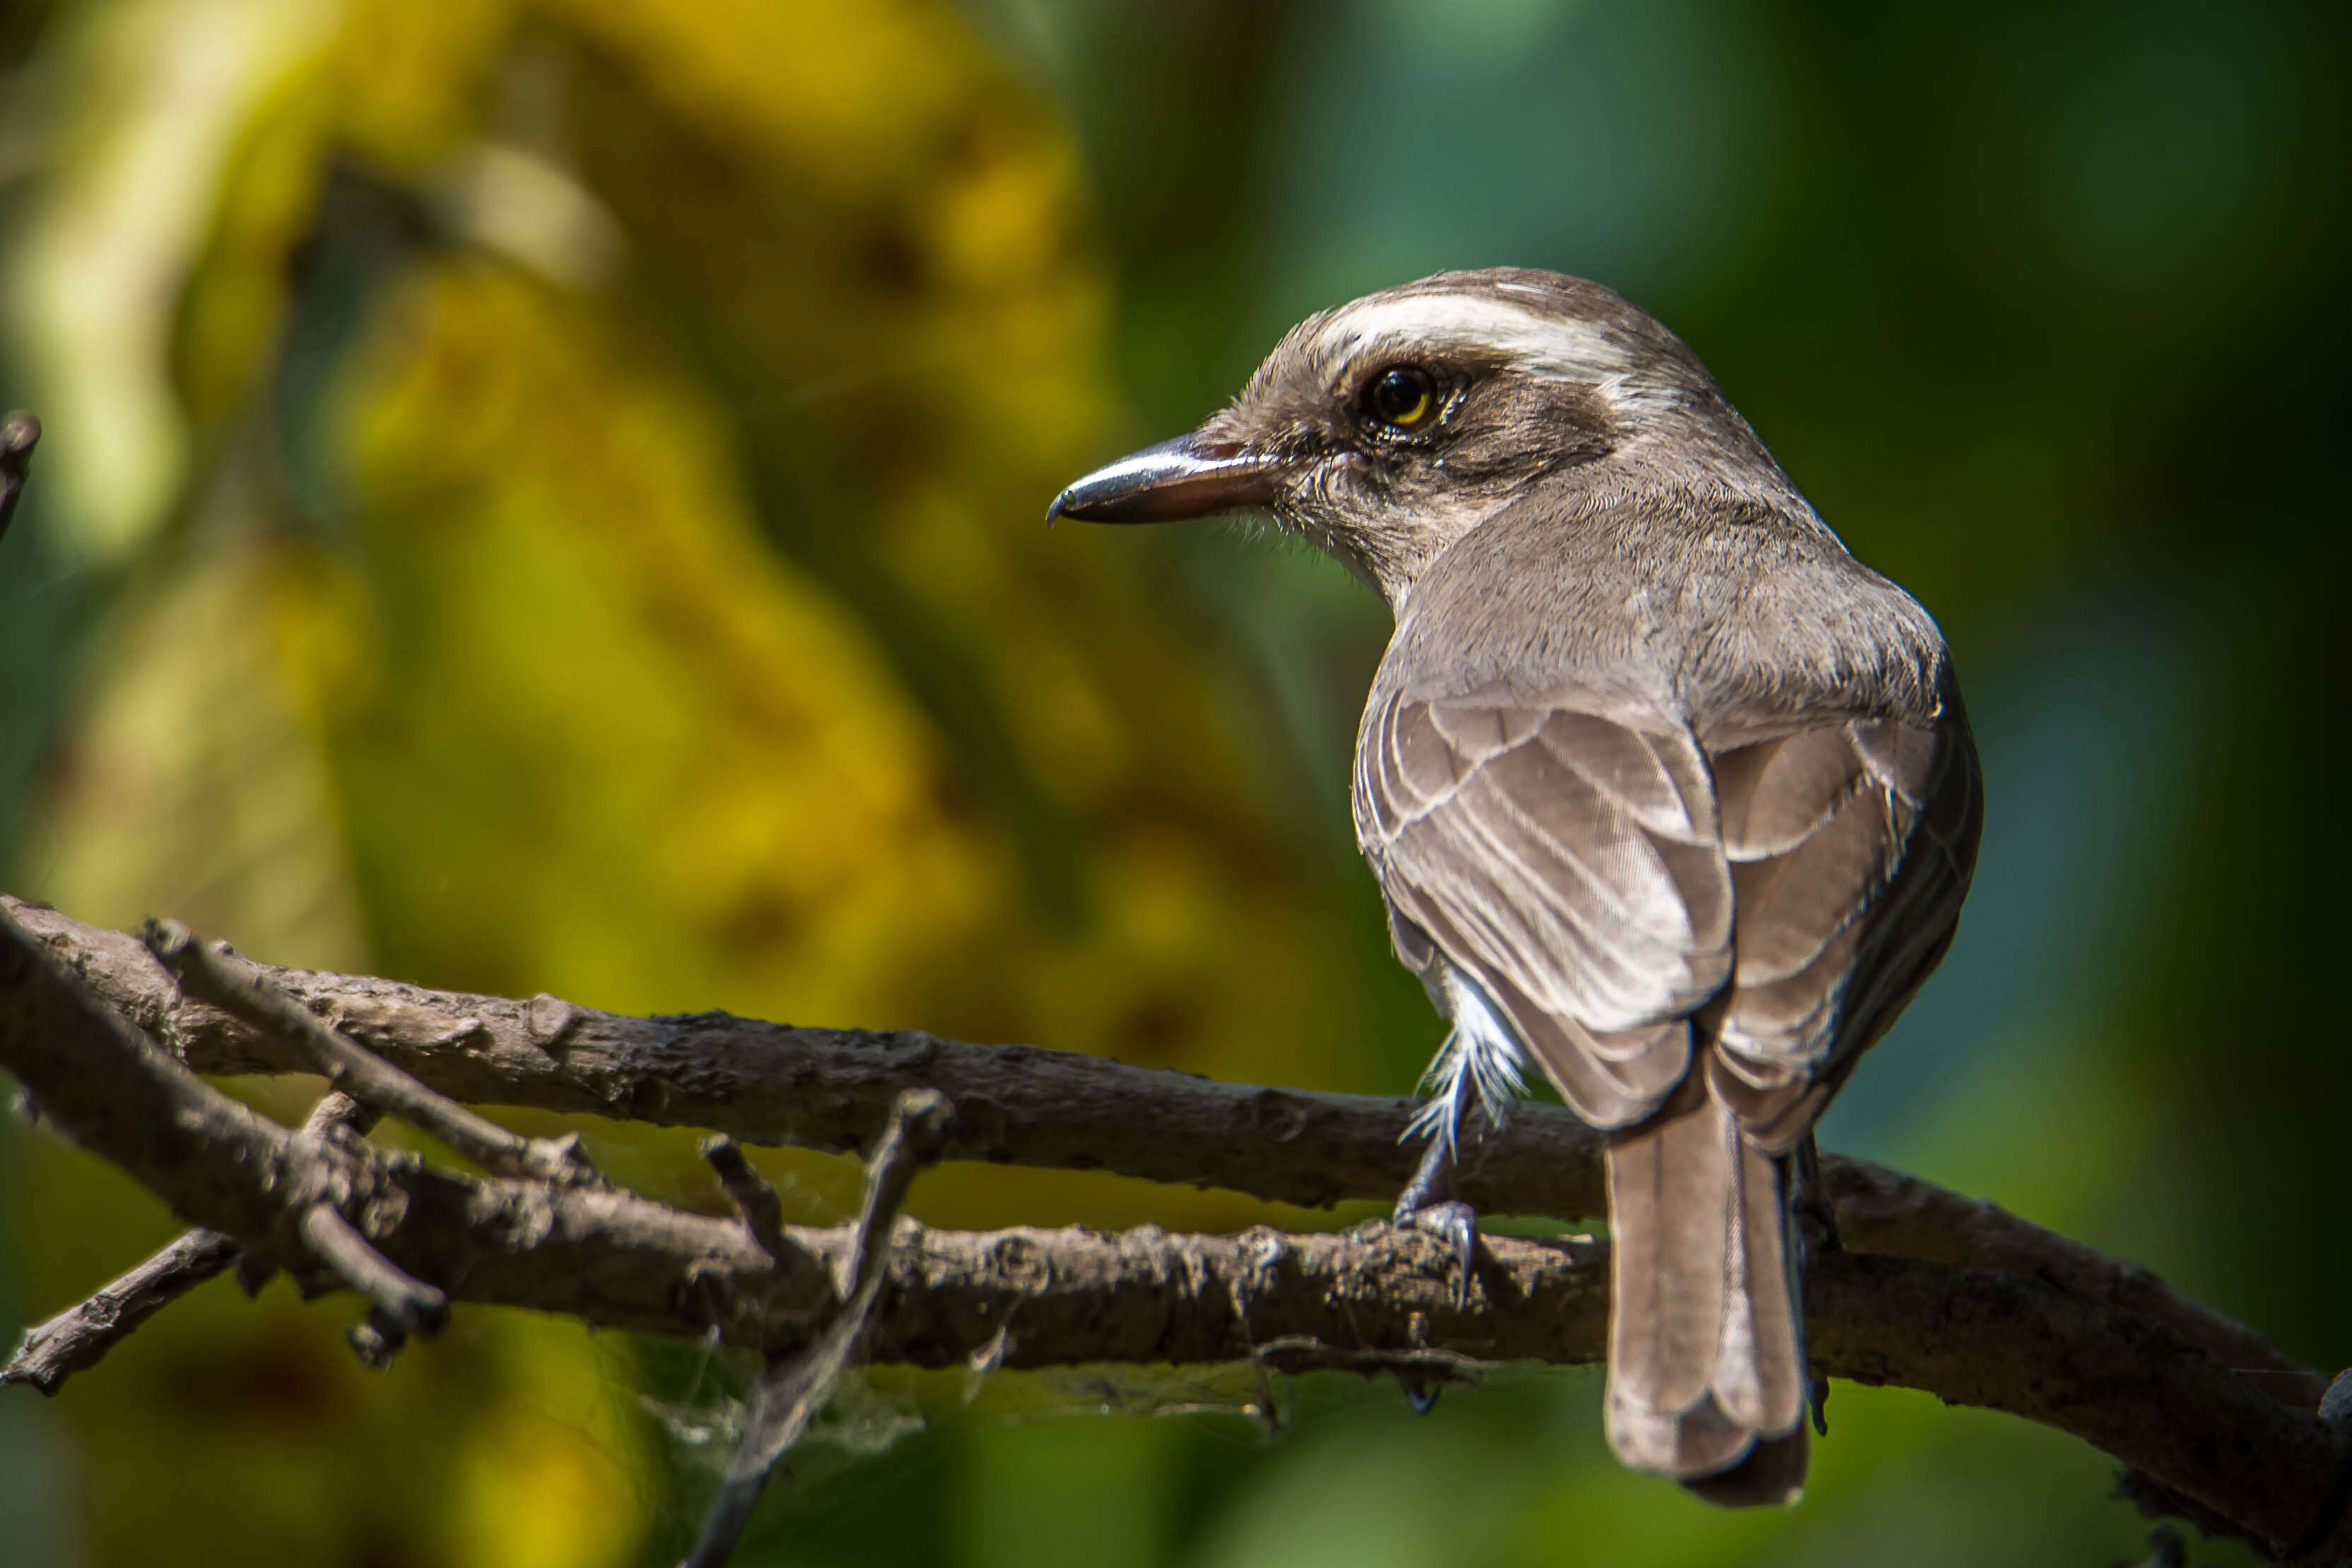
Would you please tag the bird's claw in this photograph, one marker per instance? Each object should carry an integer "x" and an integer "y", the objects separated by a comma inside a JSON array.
[
  {"x": 1428, "y": 1203},
  {"x": 1458, "y": 1222}
]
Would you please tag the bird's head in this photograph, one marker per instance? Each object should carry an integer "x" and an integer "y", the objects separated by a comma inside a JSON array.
[{"x": 1386, "y": 429}]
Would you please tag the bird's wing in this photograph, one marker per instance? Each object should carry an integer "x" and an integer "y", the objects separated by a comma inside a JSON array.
[
  {"x": 1603, "y": 880},
  {"x": 1850, "y": 846},
  {"x": 1571, "y": 864}
]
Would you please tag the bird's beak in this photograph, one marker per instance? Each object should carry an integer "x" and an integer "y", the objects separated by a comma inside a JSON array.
[{"x": 1186, "y": 477}]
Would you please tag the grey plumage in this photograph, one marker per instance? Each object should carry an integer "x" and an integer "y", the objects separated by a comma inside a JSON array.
[{"x": 1654, "y": 770}]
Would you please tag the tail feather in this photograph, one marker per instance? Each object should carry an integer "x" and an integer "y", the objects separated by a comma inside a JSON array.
[
  {"x": 1707, "y": 1370},
  {"x": 1760, "y": 1364},
  {"x": 1773, "y": 1472},
  {"x": 1667, "y": 1186}
]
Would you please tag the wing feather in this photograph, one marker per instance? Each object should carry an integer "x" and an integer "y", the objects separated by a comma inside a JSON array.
[
  {"x": 1661, "y": 782},
  {"x": 1838, "y": 926},
  {"x": 1602, "y": 880},
  {"x": 1569, "y": 864}
]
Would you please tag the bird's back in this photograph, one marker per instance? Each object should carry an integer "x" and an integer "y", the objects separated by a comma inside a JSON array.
[{"x": 1733, "y": 617}]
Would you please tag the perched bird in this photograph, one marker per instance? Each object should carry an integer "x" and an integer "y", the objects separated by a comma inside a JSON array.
[{"x": 1666, "y": 792}]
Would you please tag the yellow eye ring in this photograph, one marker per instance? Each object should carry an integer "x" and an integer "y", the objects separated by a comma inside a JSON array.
[{"x": 1402, "y": 397}]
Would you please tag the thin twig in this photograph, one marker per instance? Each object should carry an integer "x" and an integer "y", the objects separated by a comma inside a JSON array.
[
  {"x": 78, "y": 1338},
  {"x": 755, "y": 1201},
  {"x": 793, "y": 1390},
  {"x": 419, "y": 1308},
  {"x": 337, "y": 1112},
  {"x": 919, "y": 1124},
  {"x": 211, "y": 973}
]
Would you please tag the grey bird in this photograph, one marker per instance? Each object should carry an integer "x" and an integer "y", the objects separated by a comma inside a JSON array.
[{"x": 1665, "y": 790}]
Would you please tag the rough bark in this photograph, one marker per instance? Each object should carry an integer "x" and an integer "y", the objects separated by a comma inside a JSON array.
[
  {"x": 834, "y": 1089},
  {"x": 2086, "y": 1345}
]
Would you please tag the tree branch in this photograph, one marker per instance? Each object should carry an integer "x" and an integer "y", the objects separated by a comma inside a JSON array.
[
  {"x": 834, "y": 1089},
  {"x": 242, "y": 989},
  {"x": 2102, "y": 1370},
  {"x": 761, "y": 1212},
  {"x": 792, "y": 1390},
  {"x": 78, "y": 1338}
]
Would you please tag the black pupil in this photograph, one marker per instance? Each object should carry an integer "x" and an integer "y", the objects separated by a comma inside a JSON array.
[{"x": 1401, "y": 396}]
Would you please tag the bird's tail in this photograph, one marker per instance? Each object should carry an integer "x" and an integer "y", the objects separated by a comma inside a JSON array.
[{"x": 1707, "y": 1365}]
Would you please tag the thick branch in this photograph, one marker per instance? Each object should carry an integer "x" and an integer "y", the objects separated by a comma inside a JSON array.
[
  {"x": 833, "y": 1088},
  {"x": 1027, "y": 1298}
]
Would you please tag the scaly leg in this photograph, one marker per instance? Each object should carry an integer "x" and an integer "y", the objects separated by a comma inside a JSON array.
[{"x": 1428, "y": 1202}]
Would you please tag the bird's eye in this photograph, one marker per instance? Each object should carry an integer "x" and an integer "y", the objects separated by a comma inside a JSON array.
[{"x": 1401, "y": 397}]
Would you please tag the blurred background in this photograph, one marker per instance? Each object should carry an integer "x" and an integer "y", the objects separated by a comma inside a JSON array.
[{"x": 545, "y": 494}]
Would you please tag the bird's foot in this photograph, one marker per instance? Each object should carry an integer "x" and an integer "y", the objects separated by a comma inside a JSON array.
[
  {"x": 1458, "y": 1222},
  {"x": 1428, "y": 1203}
]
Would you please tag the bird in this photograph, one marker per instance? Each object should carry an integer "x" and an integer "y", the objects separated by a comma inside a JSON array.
[{"x": 1668, "y": 796}]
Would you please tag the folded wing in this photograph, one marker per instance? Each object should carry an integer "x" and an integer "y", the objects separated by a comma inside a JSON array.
[
  {"x": 1572, "y": 865},
  {"x": 1606, "y": 880}
]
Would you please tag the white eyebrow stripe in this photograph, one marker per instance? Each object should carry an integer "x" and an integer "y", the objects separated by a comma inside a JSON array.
[{"x": 1544, "y": 345}]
